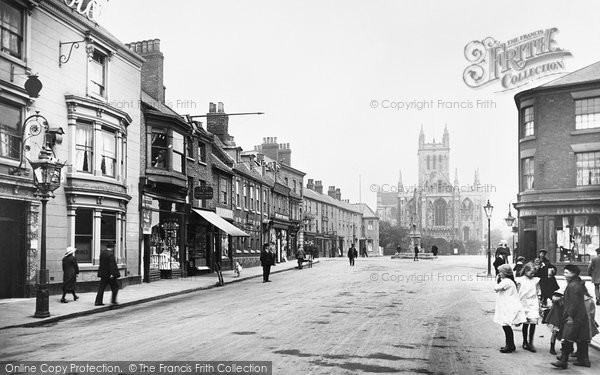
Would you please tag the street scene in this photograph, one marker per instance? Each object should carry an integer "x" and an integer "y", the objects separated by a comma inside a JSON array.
[
  {"x": 299, "y": 187},
  {"x": 380, "y": 316}
]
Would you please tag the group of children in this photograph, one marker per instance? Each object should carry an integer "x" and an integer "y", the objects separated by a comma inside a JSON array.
[{"x": 517, "y": 303}]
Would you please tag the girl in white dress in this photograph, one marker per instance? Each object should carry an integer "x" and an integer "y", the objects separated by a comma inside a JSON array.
[
  {"x": 508, "y": 306},
  {"x": 529, "y": 289}
]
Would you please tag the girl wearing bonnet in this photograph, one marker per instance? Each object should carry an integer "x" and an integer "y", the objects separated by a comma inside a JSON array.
[{"x": 509, "y": 310}]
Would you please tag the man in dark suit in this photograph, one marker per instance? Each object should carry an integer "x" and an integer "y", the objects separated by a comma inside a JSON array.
[
  {"x": 108, "y": 272},
  {"x": 267, "y": 259}
]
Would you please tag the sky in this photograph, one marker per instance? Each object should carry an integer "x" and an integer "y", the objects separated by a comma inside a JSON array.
[{"x": 327, "y": 72}]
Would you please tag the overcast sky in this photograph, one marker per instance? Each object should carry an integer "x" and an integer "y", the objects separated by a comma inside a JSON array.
[{"x": 314, "y": 68}]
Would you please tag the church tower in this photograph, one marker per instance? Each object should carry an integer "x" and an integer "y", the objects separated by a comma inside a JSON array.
[{"x": 434, "y": 161}]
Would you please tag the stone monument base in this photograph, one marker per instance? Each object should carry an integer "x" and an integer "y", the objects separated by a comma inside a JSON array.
[{"x": 407, "y": 255}]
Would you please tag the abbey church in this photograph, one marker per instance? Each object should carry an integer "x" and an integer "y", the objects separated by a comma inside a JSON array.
[{"x": 436, "y": 205}]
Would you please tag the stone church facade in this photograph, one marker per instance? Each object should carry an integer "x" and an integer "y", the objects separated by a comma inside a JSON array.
[{"x": 436, "y": 205}]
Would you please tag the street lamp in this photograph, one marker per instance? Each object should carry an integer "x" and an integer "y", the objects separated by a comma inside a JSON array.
[
  {"x": 488, "y": 212},
  {"x": 46, "y": 178},
  {"x": 510, "y": 219}
]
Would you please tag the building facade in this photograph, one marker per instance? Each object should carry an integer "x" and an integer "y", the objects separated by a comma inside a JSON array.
[
  {"x": 85, "y": 92},
  {"x": 438, "y": 206},
  {"x": 559, "y": 167}
]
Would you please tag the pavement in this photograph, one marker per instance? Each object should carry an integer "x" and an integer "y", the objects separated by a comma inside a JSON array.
[{"x": 18, "y": 312}]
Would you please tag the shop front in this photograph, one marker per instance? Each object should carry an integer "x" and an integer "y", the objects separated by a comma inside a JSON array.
[
  {"x": 279, "y": 234},
  {"x": 214, "y": 242},
  {"x": 570, "y": 234}
]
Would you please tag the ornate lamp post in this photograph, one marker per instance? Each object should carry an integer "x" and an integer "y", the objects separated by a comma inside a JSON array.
[
  {"x": 510, "y": 219},
  {"x": 46, "y": 178},
  {"x": 488, "y": 212}
]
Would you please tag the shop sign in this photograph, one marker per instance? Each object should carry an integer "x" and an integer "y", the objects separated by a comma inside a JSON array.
[
  {"x": 203, "y": 192},
  {"x": 559, "y": 211},
  {"x": 89, "y": 8},
  {"x": 281, "y": 217},
  {"x": 146, "y": 221},
  {"x": 224, "y": 213}
]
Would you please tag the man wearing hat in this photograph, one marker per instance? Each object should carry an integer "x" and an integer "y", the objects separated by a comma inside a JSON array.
[
  {"x": 545, "y": 272},
  {"x": 108, "y": 272},
  {"x": 594, "y": 272},
  {"x": 575, "y": 323},
  {"x": 70, "y": 271}
]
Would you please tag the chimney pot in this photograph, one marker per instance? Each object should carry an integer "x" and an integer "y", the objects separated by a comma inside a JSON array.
[
  {"x": 220, "y": 108},
  {"x": 212, "y": 107}
]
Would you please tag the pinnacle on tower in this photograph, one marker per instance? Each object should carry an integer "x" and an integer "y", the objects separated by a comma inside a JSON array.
[
  {"x": 456, "y": 177},
  {"x": 446, "y": 137},
  {"x": 421, "y": 137},
  {"x": 400, "y": 180},
  {"x": 476, "y": 182}
]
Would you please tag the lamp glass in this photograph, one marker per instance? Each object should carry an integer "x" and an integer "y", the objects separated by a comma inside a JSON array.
[
  {"x": 488, "y": 209},
  {"x": 510, "y": 219}
]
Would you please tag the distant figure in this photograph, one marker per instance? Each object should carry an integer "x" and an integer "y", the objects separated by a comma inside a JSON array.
[
  {"x": 352, "y": 254},
  {"x": 267, "y": 259},
  {"x": 237, "y": 269},
  {"x": 398, "y": 249},
  {"x": 70, "y": 271},
  {"x": 108, "y": 272},
  {"x": 434, "y": 250},
  {"x": 416, "y": 258},
  {"x": 300, "y": 255}
]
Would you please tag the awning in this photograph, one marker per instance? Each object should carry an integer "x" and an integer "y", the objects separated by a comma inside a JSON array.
[{"x": 221, "y": 223}]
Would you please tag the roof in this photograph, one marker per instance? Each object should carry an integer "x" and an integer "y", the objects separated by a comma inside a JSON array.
[
  {"x": 583, "y": 75},
  {"x": 217, "y": 163},
  {"x": 311, "y": 194},
  {"x": 366, "y": 211}
]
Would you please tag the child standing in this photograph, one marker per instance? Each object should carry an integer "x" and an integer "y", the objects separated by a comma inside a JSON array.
[
  {"x": 508, "y": 306},
  {"x": 529, "y": 288},
  {"x": 554, "y": 319}
]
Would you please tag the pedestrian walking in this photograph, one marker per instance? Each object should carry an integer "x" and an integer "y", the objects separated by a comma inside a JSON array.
[
  {"x": 575, "y": 322},
  {"x": 300, "y": 255},
  {"x": 70, "y": 272},
  {"x": 267, "y": 259},
  {"x": 509, "y": 311},
  {"x": 108, "y": 272},
  {"x": 352, "y": 254},
  {"x": 545, "y": 272},
  {"x": 434, "y": 250},
  {"x": 416, "y": 257},
  {"x": 529, "y": 288},
  {"x": 594, "y": 272}
]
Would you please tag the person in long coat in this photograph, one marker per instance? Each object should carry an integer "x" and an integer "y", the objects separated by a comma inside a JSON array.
[
  {"x": 352, "y": 254},
  {"x": 70, "y": 272},
  {"x": 594, "y": 272},
  {"x": 546, "y": 272},
  {"x": 575, "y": 324},
  {"x": 108, "y": 272},
  {"x": 300, "y": 255},
  {"x": 267, "y": 259}
]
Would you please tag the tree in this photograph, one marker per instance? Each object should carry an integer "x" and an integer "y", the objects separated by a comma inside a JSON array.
[{"x": 390, "y": 236}]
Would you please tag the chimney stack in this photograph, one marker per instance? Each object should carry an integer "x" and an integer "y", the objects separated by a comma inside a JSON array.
[
  {"x": 152, "y": 68},
  {"x": 331, "y": 192},
  {"x": 319, "y": 186},
  {"x": 217, "y": 122},
  {"x": 338, "y": 194},
  {"x": 310, "y": 185}
]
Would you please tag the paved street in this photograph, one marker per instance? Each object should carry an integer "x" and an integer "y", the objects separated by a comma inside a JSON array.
[{"x": 381, "y": 316}]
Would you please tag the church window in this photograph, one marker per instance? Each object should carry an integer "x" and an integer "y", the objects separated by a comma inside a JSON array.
[
  {"x": 466, "y": 233},
  {"x": 467, "y": 210},
  {"x": 439, "y": 212}
]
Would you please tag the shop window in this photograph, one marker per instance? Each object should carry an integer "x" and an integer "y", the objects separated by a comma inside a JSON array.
[
  {"x": 164, "y": 243},
  {"x": 108, "y": 151},
  {"x": 587, "y": 113},
  {"x": 178, "y": 152},
  {"x": 10, "y": 131},
  {"x": 588, "y": 168},
  {"x": 528, "y": 123},
  {"x": 97, "y": 74},
  {"x": 84, "y": 234},
  {"x": 108, "y": 229},
  {"x": 11, "y": 29},
  {"x": 528, "y": 174},
  {"x": 577, "y": 237}
]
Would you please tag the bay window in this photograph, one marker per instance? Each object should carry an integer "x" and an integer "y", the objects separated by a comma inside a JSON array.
[
  {"x": 11, "y": 29},
  {"x": 108, "y": 152},
  {"x": 168, "y": 150}
]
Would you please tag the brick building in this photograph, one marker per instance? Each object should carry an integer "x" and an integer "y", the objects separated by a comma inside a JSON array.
[
  {"x": 92, "y": 94},
  {"x": 559, "y": 167}
]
